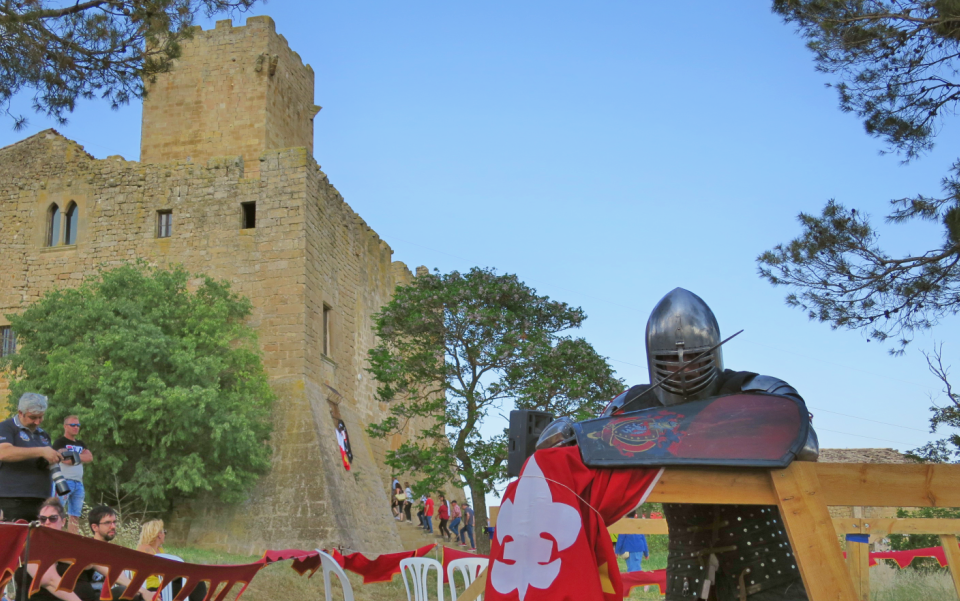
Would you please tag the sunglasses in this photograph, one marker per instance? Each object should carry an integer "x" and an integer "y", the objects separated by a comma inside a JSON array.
[
  {"x": 53, "y": 519},
  {"x": 74, "y": 425}
]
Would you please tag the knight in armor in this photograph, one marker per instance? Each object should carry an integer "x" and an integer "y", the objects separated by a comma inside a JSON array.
[{"x": 723, "y": 552}]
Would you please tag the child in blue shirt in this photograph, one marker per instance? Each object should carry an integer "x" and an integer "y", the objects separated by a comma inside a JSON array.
[{"x": 635, "y": 545}]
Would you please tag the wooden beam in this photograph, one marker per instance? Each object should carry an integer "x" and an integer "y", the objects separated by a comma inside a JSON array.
[
  {"x": 885, "y": 526},
  {"x": 858, "y": 484},
  {"x": 873, "y": 485},
  {"x": 846, "y": 526},
  {"x": 890, "y": 485},
  {"x": 639, "y": 526},
  {"x": 952, "y": 553},
  {"x": 725, "y": 486},
  {"x": 476, "y": 589},
  {"x": 811, "y": 533},
  {"x": 494, "y": 511}
]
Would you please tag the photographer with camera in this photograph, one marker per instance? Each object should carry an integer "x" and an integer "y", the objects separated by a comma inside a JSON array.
[
  {"x": 75, "y": 454},
  {"x": 28, "y": 463}
]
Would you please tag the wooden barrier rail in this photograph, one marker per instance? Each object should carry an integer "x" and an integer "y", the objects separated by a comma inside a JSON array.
[
  {"x": 858, "y": 557},
  {"x": 803, "y": 491}
]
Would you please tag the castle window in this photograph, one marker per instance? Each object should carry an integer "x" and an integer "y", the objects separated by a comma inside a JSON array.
[
  {"x": 53, "y": 225},
  {"x": 249, "y": 215},
  {"x": 164, "y": 224},
  {"x": 8, "y": 341},
  {"x": 71, "y": 222},
  {"x": 326, "y": 329}
]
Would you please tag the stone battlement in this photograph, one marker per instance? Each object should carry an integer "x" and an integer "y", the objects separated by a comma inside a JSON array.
[{"x": 234, "y": 90}]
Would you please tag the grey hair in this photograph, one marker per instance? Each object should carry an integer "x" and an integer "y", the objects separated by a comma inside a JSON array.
[{"x": 32, "y": 402}]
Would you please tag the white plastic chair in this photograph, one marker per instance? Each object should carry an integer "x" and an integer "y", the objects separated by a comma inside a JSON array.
[
  {"x": 329, "y": 565},
  {"x": 419, "y": 571},
  {"x": 469, "y": 568},
  {"x": 166, "y": 594}
]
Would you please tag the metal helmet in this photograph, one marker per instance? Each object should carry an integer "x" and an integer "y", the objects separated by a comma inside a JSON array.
[
  {"x": 680, "y": 327},
  {"x": 558, "y": 434}
]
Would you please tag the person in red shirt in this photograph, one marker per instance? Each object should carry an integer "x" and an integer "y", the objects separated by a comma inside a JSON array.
[
  {"x": 428, "y": 514},
  {"x": 444, "y": 513}
]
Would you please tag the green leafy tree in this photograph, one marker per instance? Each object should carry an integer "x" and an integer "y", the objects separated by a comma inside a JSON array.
[
  {"x": 69, "y": 50},
  {"x": 897, "y": 64},
  {"x": 166, "y": 380},
  {"x": 904, "y": 542},
  {"x": 455, "y": 347}
]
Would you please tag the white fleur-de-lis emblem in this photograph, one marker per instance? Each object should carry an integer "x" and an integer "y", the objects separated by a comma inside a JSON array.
[{"x": 524, "y": 524}]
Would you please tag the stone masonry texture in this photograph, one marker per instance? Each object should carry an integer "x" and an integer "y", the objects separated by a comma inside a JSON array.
[
  {"x": 235, "y": 90},
  {"x": 232, "y": 124}
]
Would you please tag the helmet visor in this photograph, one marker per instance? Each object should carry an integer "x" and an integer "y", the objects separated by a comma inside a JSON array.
[{"x": 695, "y": 377}]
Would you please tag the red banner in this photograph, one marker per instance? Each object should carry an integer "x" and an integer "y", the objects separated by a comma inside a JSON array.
[
  {"x": 303, "y": 561},
  {"x": 381, "y": 569},
  {"x": 551, "y": 540},
  {"x": 645, "y": 578},
  {"x": 449, "y": 554},
  {"x": 49, "y": 546},
  {"x": 13, "y": 538},
  {"x": 903, "y": 558}
]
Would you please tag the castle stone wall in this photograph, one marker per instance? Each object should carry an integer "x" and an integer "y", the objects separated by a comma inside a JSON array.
[
  {"x": 234, "y": 91},
  {"x": 308, "y": 248},
  {"x": 232, "y": 124}
]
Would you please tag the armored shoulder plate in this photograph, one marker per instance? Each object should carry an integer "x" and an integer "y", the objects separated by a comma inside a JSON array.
[{"x": 770, "y": 385}]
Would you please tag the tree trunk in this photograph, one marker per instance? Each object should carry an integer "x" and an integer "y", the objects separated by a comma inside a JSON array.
[{"x": 480, "y": 521}]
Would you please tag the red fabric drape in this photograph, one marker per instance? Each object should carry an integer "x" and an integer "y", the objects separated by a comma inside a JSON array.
[
  {"x": 12, "y": 539},
  {"x": 647, "y": 577},
  {"x": 303, "y": 561},
  {"x": 48, "y": 546},
  {"x": 551, "y": 539},
  {"x": 449, "y": 554},
  {"x": 903, "y": 558},
  {"x": 380, "y": 569}
]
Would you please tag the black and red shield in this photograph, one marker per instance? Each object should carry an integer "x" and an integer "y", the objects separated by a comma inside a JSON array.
[{"x": 752, "y": 430}]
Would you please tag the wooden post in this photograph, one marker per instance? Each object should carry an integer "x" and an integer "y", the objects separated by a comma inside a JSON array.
[
  {"x": 858, "y": 562},
  {"x": 952, "y": 553},
  {"x": 476, "y": 589},
  {"x": 811, "y": 533}
]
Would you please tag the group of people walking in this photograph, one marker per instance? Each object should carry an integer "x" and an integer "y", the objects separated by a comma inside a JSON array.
[{"x": 456, "y": 519}]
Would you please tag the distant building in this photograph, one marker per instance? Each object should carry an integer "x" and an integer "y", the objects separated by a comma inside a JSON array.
[
  {"x": 864, "y": 456},
  {"x": 227, "y": 185}
]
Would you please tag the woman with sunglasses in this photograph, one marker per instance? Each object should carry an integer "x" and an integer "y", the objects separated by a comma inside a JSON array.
[{"x": 52, "y": 515}]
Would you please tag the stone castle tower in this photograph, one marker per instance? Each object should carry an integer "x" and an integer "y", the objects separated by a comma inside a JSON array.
[
  {"x": 227, "y": 185},
  {"x": 234, "y": 91}
]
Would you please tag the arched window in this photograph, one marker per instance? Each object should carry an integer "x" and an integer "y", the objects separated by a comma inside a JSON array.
[
  {"x": 72, "y": 217},
  {"x": 53, "y": 225}
]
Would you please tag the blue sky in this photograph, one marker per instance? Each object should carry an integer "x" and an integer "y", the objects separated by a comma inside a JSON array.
[{"x": 607, "y": 153}]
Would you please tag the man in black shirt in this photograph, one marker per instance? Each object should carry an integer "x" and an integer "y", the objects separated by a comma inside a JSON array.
[
  {"x": 25, "y": 457},
  {"x": 103, "y": 525},
  {"x": 73, "y": 472}
]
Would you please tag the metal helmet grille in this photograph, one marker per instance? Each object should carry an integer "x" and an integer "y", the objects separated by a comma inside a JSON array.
[
  {"x": 697, "y": 377},
  {"x": 682, "y": 328}
]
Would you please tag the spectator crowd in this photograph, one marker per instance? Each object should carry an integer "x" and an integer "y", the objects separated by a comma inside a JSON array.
[
  {"x": 42, "y": 481},
  {"x": 455, "y": 521}
]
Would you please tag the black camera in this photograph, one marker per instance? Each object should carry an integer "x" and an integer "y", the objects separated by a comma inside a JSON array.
[
  {"x": 59, "y": 482},
  {"x": 70, "y": 456}
]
